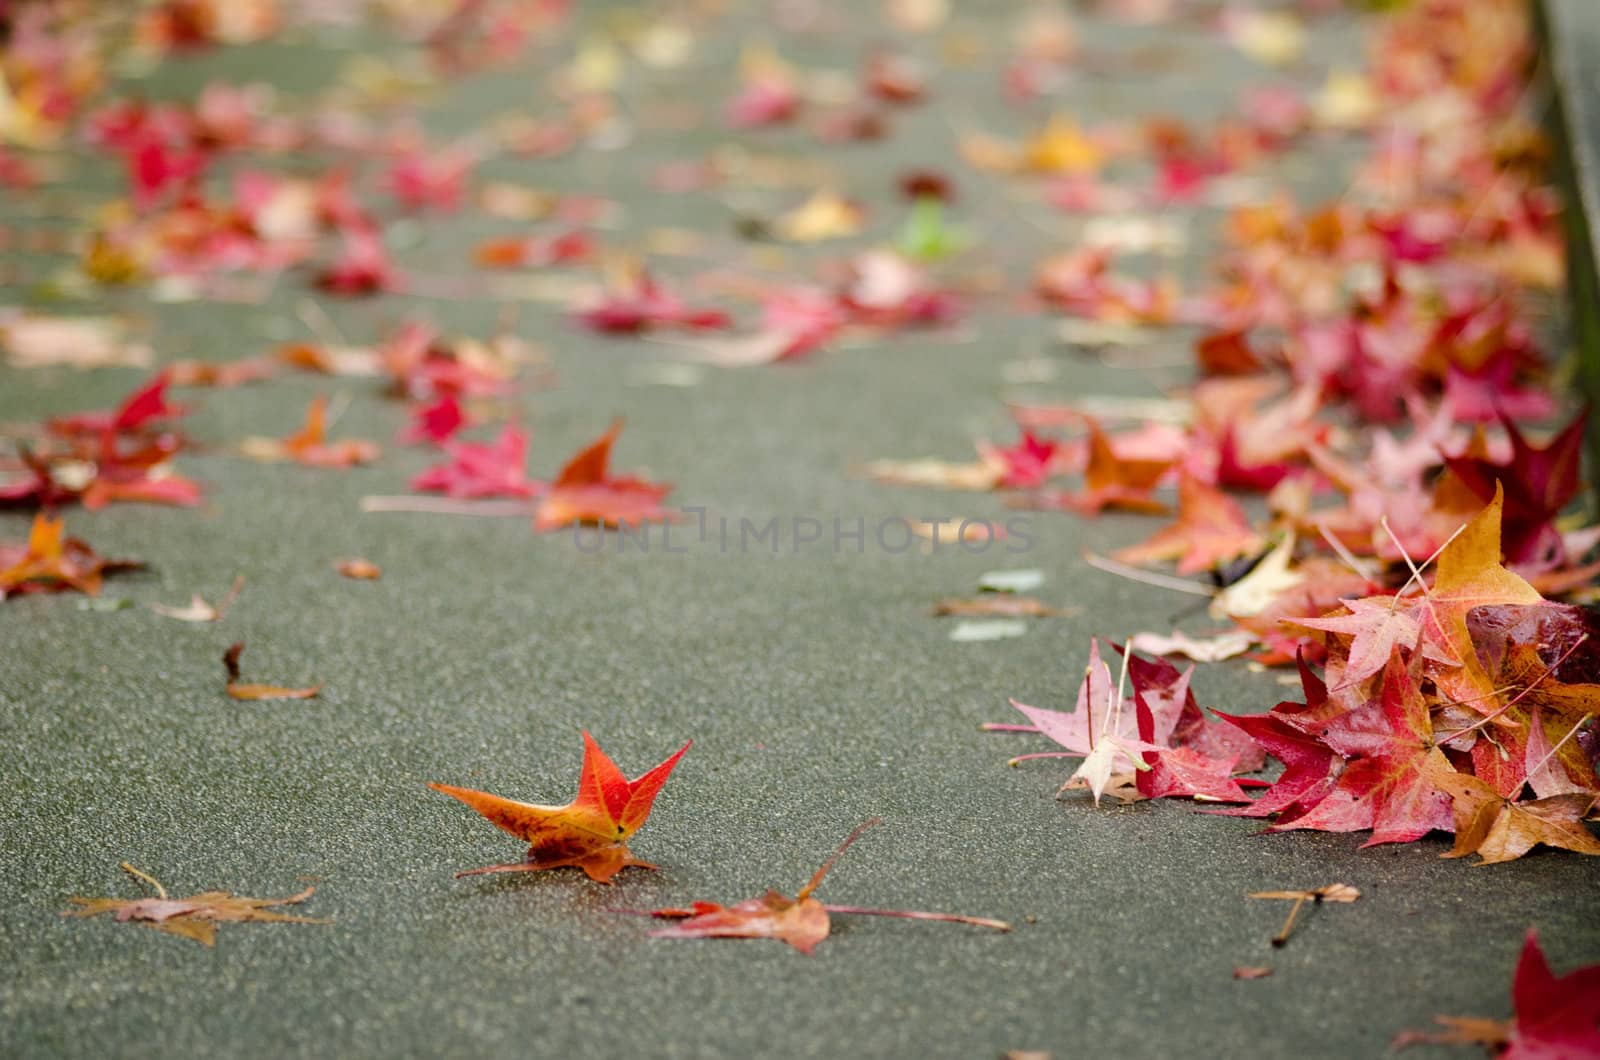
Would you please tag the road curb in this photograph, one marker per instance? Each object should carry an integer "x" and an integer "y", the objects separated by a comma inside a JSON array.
[{"x": 1568, "y": 31}]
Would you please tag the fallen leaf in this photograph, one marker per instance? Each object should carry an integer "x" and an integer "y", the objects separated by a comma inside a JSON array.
[
  {"x": 308, "y": 446},
  {"x": 1377, "y": 626},
  {"x": 1211, "y": 529},
  {"x": 1500, "y": 829},
  {"x": 590, "y": 832},
  {"x": 200, "y": 611},
  {"x": 1555, "y": 1017},
  {"x": 977, "y": 475},
  {"x": 1004, "y": 605},
  {"x": 1332, "y": 892},
  {"x": 1208, "y": 649},
  {"x": 52, "y": 562},
  {"x": 33, "y": 340},
  {"x": 586, "y": 492},
  {"x": 240, "y": 690},
  {"x": 994, "y": 629},
  {"x": 483, "y": 469},
  {"x": 1011, "y": 581},
  {"x": 195, "y": 917},
  {"x": 824, "y": 216},
  {"x": 359, "y": 569},
  {"x": 802, "y": 921}
]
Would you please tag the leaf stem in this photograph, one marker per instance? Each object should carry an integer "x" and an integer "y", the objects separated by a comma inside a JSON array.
[
  {"x": 1044, "y": 754},
  {"x": 161, "y": 892},
  {"x": 1281, "y": 939},
  {"x": 1161, "y": 581},
  {"x": 445, "y": 506},
  {"x": 816, "y": 880},
  {"x": 906, "y": 914},
  {"x": 1552, "y": 752},
  {"x": 1514, "y": 700}
]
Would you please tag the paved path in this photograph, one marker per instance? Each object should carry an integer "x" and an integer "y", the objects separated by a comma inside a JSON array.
[{"x": 817, "y": 689}]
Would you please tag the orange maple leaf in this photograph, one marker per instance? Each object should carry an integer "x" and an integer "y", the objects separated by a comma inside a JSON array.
[
  {"x": 590, "y": 832},
  {"x": 1497, "y": 828},
  {"x": 1211, "y": 529},
  {"x": 1112, "y": 481},
  {"x": 51, "y": 561},
  {"x": 585, "y": 492},
  {"x": 309, "y": 446},
  {"x": 1470, "y": 575}
]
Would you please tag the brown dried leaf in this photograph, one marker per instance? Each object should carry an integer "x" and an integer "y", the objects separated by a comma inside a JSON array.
[
  {"x": 195, "y": 917},
  {"x": 1004, "y": 605},
  {"x": 240, "y": 690},
  {"x": 360, "y": 569}
]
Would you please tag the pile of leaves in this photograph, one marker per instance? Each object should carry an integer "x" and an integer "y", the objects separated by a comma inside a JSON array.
[{"x": 1462, "y": 702}]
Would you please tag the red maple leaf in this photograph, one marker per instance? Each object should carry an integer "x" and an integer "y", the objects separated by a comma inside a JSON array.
[
  {"x": 1389, "y": 755},
  {"x": 1112, "y": 481},
  {"x": 645, "y": 305},
  {"x": 1538, "y": 484},
  {"x": 362, "y": 266},
  {"x": 436, "y": 422},
  {"x": 1556, "y": 1018},
  {"x": 1377, "y": 626},
  {"x": 1028, "y": 463},
  {"x": 535, "y": 251},
  {"x": 138, "y": 409},
  {"x": 483, "y": 469},
  {"x": 1181, "y": 772}
]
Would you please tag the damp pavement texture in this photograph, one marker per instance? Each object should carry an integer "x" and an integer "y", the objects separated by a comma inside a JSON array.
[{"x": 816, "y": 687}]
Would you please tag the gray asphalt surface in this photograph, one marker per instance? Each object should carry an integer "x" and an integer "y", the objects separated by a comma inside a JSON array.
[{"x": 816, "y": 687}]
